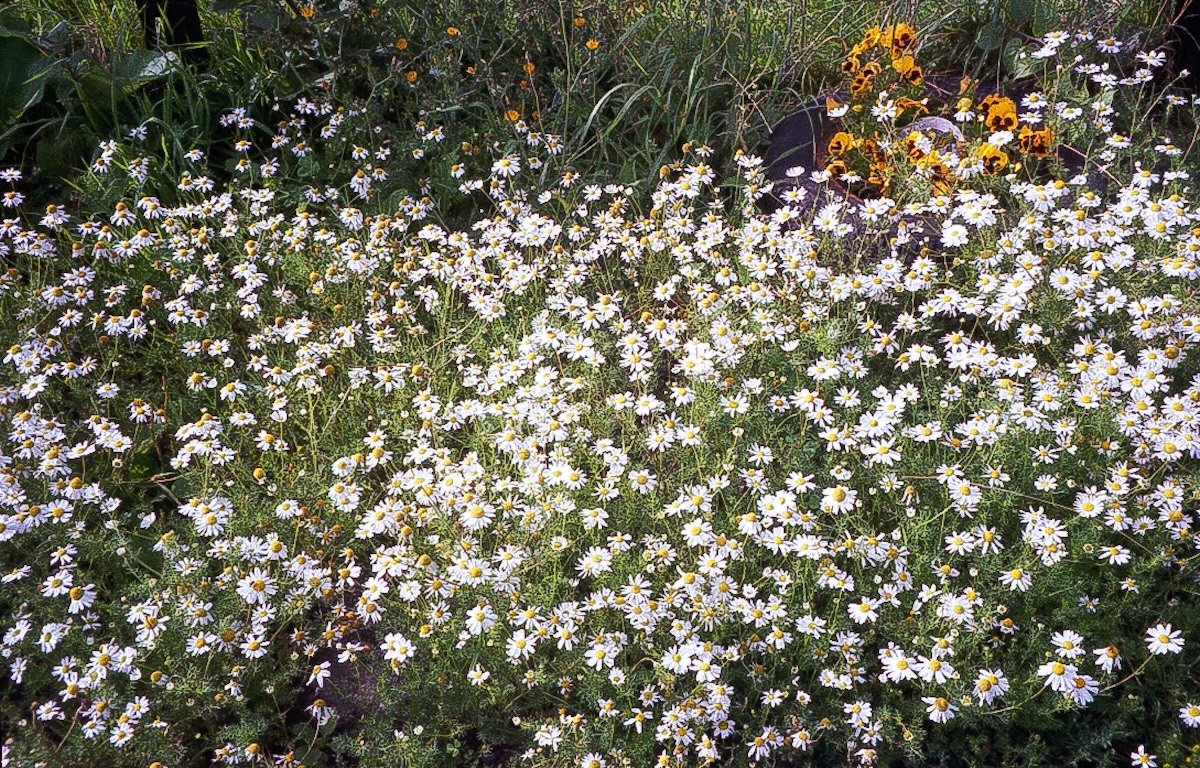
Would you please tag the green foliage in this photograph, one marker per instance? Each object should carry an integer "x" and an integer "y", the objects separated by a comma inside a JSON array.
[
  {"x": 62, "y": 95},
  {"x": 359, "y": 273}
]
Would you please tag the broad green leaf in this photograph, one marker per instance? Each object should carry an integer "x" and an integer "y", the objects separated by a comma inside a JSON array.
[
  {"x": 63, "y": 152},
  {"x": 139, "y": 67},
  {"x": 96, "y": 90},
  {"x": 12, "y": 24},
  {"x": 1044, "y": 18},
  {"x": 143, "y": 461},
  {"x": 990, "y": 36},
  {"x": 23, "y": 72},
  {"x": 185, "y": 487},
  {"x": 59, "y": 37},
  {"x": 1021, "y": 11},
  {"x": 1016, "y": 65}
]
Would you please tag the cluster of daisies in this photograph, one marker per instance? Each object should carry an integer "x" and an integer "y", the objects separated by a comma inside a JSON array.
[{"x": 683, "y": 481}]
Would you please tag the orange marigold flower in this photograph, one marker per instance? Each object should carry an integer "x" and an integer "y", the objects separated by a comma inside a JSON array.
[
  {"x": 870, "y": 38},
  {"x": 941, "y": 181},
  {"x": 903, "y": 64},
  {"x": 913, "y": 148},
  {"x": 1036, "y": 143},
  {"x": 904, "y": 37},
  {"x": 841, "y": 143},
  {"x": 1002, "y": 115},
  {"x": 885, "y": 37},
  {"x": 903, "y": 104},
  {"x": 994, "y": 159},
  {"x": 988, "y": 102},
  {"x": 592, "y": 44},
  {"x": 860, "y": 85}
]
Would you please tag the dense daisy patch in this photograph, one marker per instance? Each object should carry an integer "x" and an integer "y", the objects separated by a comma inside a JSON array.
[{"x": 607, "y": 476}]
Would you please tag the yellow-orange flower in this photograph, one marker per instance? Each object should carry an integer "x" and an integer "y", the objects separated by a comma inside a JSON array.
[
  {"x": 941, "y": 178},
  {"x": 841, "y": 143},
  {"x": 913, "y": 147},
  {"x": 907, "y": 67},
  {"x": 870, "y": 38},
  {"x": 903, "y": 104},
  {"x": 1036, "y": 143},
  {"x": 1002, "y": 115},
  {"x": 904, "y": 37},
  {"x": 860, "y": 84},
  {"x": 989, "y": 101},
  {"x": 885, "y": 37},
  {"x": 994, "y": 159}
]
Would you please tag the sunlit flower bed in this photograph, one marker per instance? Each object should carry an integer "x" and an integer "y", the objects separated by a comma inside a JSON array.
[{"x": 605, "y": 477}]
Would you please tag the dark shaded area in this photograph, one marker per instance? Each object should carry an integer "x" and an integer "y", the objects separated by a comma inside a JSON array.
[
  {"x": 1185, "y": 42},
  {"x": 478, "y": 752},
  {"x": 180, "y": 21},
  {"x": 793, "y": 143}
]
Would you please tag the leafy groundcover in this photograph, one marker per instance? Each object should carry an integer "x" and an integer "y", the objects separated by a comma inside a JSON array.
[{"x": 602, "y": 475}]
